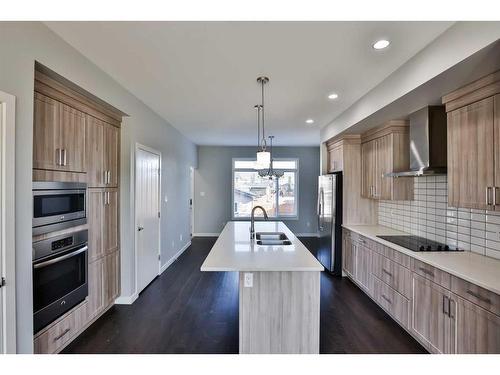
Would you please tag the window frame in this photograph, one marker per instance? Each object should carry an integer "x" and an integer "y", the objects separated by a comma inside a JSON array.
[{"x": 278, "y": 217}]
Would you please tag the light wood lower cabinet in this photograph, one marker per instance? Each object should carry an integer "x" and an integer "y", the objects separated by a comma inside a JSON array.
[
  {"x": 96, "y": 282},
  {"x": 444, "y": 313}
]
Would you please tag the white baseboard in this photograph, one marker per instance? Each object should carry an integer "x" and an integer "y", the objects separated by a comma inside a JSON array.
[
  {"x": 126, "y": 300},
  {"x": 206, "y": 234},
  {"x": 177, "y": 255},
  {"x": 306, "y": 234}
]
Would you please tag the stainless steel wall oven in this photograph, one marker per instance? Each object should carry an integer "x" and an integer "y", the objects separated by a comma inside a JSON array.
[{"x": 60, "y": 276}]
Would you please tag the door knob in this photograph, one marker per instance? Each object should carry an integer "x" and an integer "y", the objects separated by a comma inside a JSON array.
[{"x": 140, "y": 228}]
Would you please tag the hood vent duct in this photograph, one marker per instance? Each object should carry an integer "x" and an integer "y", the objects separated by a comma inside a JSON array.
[{"x": 428, "y": 143}]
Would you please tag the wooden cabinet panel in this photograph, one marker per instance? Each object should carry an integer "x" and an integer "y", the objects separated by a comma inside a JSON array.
[
  {"x": 368, "y": 165},
  {"x": 110, "y": 221},
  {"x": 72, "y": 139},
  {"x": 477, "y": 330},
  {"x": 363, "y": 267},
  {"x": 391, "y": 273},
  {"x": 430, "y": 322},
  {"x": 432, "y": 273},
  {"x": 112, "y": 148},
  {"x": 95, "y": 152},
  {"x": 97, "y": 277},
  {"x": 471, "y": 155},
  {"x": 335, "y": 159},
  {"x": 496, "y": 131},
  {"x": 488, "y": 300},
  {"x": 383, "y": 185},
  {"x": 95, "y": 208},
  {"x": 46, "y": 154},
  {"x": 393, "y": 302},
  {"x": 349, "y": 256},
  {"x": 112, "y": 281}
]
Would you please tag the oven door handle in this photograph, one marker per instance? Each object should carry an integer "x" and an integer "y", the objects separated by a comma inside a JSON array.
[{"x": 58, "y": 259}]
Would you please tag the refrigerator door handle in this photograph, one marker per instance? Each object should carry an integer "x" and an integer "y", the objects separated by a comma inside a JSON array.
[{"x": 321, "y": 197}]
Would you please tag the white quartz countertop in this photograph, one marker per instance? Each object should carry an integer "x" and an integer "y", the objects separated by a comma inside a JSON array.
[
  {"x": 234, "y": 251},
  {"x": 477, "y": 269}
]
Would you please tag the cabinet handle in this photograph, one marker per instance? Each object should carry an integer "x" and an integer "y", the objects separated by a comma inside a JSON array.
[
  {"x": 495, "y": 196},
  {"x": 109, "y": 177},
  {"x": 108, "y": 197},
  {"x": 65, "y": 332},
  {"x": 488, "y": 201},
  {"x": 386, "y": 272},
  {"x": 479, "y": 297},
  {"x": 446, "y": 305},
  {"x": 64, "y": 157},
  {"x": 451, "y": 308},
  {"x": 58, "y": 156},
  {"x": 427, "y": 272},
  {"x": 387, "y": 299}
]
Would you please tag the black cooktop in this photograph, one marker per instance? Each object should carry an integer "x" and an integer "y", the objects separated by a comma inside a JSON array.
[{"x": 416, "y": 243}]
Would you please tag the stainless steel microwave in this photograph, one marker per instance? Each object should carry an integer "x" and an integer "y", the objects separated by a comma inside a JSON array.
[{"x": 58, "y": 205}]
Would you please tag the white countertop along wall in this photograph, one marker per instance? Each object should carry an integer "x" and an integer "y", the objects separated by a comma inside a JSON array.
[
  {"x": 477, "y": 269},
  {"x": 235, "y": 251}
]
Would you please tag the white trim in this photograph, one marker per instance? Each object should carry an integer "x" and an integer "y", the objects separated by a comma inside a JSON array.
[
  {"x": 7, "y": 221},
  {"x": 126, "y": 300},
  {"x": 174, "y": 258},
  {"x": 138, "y": 147},
  {"x": 206, "y": 234},
  {"x": 191, "y": 177}
]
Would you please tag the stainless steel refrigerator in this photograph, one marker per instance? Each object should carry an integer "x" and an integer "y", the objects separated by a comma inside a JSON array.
[{"x": 329, "y": 212}]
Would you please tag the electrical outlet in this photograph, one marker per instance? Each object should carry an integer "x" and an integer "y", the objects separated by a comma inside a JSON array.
[
  {"x": 202, "y": 193},
  {"x": 248, "y": 279},
  {"x": 173, "y": 244},
  {"x": 308, "y": 224},
  {"x": 180, "y": 237}
]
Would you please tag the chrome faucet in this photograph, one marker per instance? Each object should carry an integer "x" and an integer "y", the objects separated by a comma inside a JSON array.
[{"x": 252, "y": 220}]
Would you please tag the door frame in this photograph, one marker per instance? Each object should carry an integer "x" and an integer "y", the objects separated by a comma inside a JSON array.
[
  {"x": 7, "y": 221},
  {"x": 139, "y": 146},
  {"x": 191, "y": 171}
]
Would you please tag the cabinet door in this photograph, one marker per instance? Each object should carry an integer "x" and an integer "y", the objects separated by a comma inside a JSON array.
[
  {"x": 470, "y": 155},
  {"x": 110, "y": 221},
  {"x": 112, "y": 281},
  {"x": 363, "y": 266},
  {"x": 336, "y": 159},
  {"x": 72, "y": 139},
  {"x": 430, "y": 320},
  {"x": 111, "y": 146},
  {"x": 347, "y": 255},
  {"x": 497, "y": 152},
  {"x": 95, "y": 210},
  {"x": 367, "y": 169},
  {"x": 383, "y": 185},
  {"x": 477, "y": 330},
  {"x": 95, "y": 152},
  {"x": 96, "y": 280},
  {"x": 46, "y": 154},
  {"x": 350, "y": 261}
]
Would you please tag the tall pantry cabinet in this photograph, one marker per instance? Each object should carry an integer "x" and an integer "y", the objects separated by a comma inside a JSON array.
[{"x": 76, "y": 137}]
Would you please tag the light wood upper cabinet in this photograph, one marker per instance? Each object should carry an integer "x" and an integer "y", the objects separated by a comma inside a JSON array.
[
  {"x": 385, "y": 150},
  {"x": 496, "y": 132},
  {"x": 471, "y": 167},
  {"x": 112, "y": 148},
  {"x": 335, "y": 159},
  {"x": 58, "y": 136},
  {"x": 95, "y": 152},
  {"x": 46, "y": 154}
]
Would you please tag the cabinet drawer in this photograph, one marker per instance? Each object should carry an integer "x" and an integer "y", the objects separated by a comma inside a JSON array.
[
  {"x": 369, "y": 244},
  {"x": 56, "y": 336},
  {"x": 393, "y": 302},
  {"x": 393, "y": 255},
  {"x": 431, "y": 273},
  {"x": 475, "y": 294},
  {"x": 393, "y": 274}
]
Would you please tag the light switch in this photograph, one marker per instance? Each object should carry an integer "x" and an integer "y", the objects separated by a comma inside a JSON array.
[
  {"x": 202, "y": 193},
  {"x": 248, "y": 280}
]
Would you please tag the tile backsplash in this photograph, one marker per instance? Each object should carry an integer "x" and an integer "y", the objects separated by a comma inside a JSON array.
[{"x": 428, "y": 215}]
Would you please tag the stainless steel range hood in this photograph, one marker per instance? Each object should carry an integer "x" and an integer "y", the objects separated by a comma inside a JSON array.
[{"x": 427, "y": 143}]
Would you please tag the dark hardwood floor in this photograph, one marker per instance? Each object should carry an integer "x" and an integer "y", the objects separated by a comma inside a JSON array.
[{"x": 188, "y": 311}]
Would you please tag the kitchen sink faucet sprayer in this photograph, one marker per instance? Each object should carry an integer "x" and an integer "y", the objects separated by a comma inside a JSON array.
[{"x": 252, "y": 220}]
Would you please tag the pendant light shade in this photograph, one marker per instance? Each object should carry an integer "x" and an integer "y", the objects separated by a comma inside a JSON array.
[{"x": 263, "y": 159}]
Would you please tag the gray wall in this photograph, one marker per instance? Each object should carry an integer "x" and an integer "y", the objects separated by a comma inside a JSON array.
[
  {"x": 214, "y": 178},
  {"x": 22, "y": 44}
]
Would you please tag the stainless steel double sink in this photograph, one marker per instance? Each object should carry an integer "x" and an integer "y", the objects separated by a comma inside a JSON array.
[{"x": 272, "y": 239}]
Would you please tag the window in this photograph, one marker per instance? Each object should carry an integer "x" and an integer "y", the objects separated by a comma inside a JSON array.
[{"x": 278, "y": 196}]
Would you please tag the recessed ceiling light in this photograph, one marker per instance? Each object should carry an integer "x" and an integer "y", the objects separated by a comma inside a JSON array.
[
  {"x": 381, "y": 44},
  {"x": 333, "y": 96},
  {"x": 309, "y": 121}
]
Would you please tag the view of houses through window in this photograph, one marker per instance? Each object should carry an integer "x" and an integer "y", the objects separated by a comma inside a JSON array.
[{"x": 278, "y": 196}]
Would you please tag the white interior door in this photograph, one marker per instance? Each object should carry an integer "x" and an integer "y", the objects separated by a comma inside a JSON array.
[
  {"x": 2, "y": 321},
  {"x": 147, "y": 207}
]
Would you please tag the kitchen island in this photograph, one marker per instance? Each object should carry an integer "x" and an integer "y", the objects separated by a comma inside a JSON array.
[{"x": 279, "y": 288}]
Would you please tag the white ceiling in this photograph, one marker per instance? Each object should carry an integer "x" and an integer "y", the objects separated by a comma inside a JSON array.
[{"x": 200, "y": 76}]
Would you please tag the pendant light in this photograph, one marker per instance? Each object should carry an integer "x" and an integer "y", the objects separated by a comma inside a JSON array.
[{"x": 263, "y": 155}]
